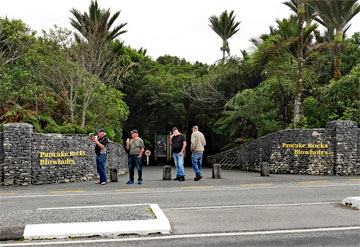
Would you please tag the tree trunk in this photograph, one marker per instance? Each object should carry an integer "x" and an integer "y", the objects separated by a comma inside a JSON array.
[
  {"x": 71, "y": 114},
  {"x": 83, "y": 115},
  {"x": 223, "y": 51},
  {"x": 337, "y": 64},
  {"x": 87, "y": 95},
  {"x": 71, "y": 105},
  {"x": 298, "y": 88},
  {"x": 227, "y": 47}
]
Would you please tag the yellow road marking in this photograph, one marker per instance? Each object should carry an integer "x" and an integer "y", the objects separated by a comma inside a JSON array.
[
  {"x": 354, "y": 179},
  {"x": 133, "y": 189},
  {"x": 254, "y": 184},
  {"x": 66, "y": 191},
  {"x": 5, "y": 193},
  {"x": 314, "y": 182},
  {"x": 197, "y": 187}
]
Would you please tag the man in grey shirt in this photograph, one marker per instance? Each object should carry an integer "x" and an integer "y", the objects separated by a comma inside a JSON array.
[{"x": 136, "y": 147}]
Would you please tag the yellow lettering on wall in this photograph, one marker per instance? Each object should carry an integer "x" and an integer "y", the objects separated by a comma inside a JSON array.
[
  {"x": 57, "y": 162},
  {"x": 59, "y": 156},
  {"x": 310, "y": 148}
]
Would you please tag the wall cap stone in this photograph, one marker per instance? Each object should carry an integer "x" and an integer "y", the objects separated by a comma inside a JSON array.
[
  {"x": 341, "y": 124},
  {"x": 18, "y": 125}
]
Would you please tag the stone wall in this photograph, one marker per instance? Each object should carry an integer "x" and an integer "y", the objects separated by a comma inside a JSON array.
[
  {"x": 17, "y": 150},
  {"x": 52, "y": 158},
  {"x": 358, "y": 145},
  {"x": 1, "y": 158},
  {"x": 1, "y": 147},
  {"x": 347, "y": 151},
  {"x": 334, "y": 150},
  {"x": 315, "y": 158}
]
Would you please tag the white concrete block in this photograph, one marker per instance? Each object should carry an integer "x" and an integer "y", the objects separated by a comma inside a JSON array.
[
  {"x": 353, "y": 202},
  {"x": 106, "y": 228}
]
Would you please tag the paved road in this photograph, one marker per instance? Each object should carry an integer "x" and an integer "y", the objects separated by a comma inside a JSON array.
[
  {"x": 239, "y": 202},
  {"x": 338, "y": 238}
]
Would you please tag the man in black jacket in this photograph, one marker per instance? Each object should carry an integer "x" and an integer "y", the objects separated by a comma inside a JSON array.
[{"x": 101, "y": 141}]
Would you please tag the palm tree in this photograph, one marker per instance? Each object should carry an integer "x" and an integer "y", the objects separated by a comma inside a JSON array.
[
  {"x": 309, "y": 14},
  {"x": 95, "y": 55},
  {"x": 225, "y": 26},
  {"x": 299, "y": 7},
  {"x": 288, "y": 33},
  {"x": 96, "y": 24},
  {"x": 299, "y": 38},
  {"x": 298, "y": 88},
  {"x": 336, "y": 15}
]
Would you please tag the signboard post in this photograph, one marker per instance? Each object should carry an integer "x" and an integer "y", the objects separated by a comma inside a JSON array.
[{"x": 147, "y": 154}]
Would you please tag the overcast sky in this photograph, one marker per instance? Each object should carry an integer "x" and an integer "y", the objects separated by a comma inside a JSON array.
[{"x": 175, "y": 27}]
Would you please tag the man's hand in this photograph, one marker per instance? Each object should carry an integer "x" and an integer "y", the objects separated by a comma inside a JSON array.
[
  {"x": 127, "y": 141},
  {"x": 181, "y": 153},
  {"x": 96, "y": 139}
]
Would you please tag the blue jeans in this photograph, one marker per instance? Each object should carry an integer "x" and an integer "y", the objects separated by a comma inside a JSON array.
[
  {"x": 196, "y": 159},
  {"x": 100, "y": 165},
  {"x": 179, "y": 164},
  {"x": 135, "y": 161}
]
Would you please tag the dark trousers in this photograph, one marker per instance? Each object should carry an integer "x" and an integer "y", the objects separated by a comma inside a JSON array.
[
  {"x": 100, "y": 165},
  {"x": 135, "y": 161}
]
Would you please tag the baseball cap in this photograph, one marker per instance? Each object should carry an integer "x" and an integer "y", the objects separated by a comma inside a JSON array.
[
  {"x": 134, "y": 131},
  {"x": 195, "y": 127},
  {"x": 101, "y": 130}
]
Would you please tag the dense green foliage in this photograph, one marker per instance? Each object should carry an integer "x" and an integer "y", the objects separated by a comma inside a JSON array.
[
  {"x": 50, "y": 82},
  {"x": 45, "y": 86}
]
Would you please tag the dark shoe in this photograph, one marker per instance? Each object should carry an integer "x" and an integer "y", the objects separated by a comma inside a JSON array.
[
  {"x": 140, "y": 181},
  {"x": 177, "y": 178},
  {"x": 197, "y": 178},
  {"x": 130, "y": 182},
  {"x": 181, "y": 179}
]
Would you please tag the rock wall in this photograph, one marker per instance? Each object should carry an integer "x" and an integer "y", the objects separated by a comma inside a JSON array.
[
  {"x": 17, "y": 150},
  {"x": 1, "y": 147},
  {"x": 358, "y": 145},
  {"x": 52, "y": 158},
  {"x": 334, "y": 150},
  {"x": 347, "y": 150},
  {"x": 1, "y": 158},
  {"x": 303, "y": 152}
]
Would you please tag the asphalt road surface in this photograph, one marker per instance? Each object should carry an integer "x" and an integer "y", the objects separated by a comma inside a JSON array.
[{"x": 241, "y": 209}]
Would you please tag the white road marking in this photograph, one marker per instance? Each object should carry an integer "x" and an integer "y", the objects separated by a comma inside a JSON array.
[
  {"x": 177, "y": 191},
  {"x": 255, "y": 206},
  {"x": 313, "y": 182},
  {"x": 255, "y": 184},
  {"x": 101, "y": 206},
  {"x": 189, "y": 236},
  {"x": 66, "y": 191}
]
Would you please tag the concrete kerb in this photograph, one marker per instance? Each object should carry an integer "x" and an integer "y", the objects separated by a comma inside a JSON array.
[
  {"x": 84, "y": 229},
  {"x": 11, "y": 232}
]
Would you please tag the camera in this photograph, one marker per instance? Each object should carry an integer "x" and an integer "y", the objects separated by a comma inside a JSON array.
[{"x": 92, "y": 136}]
